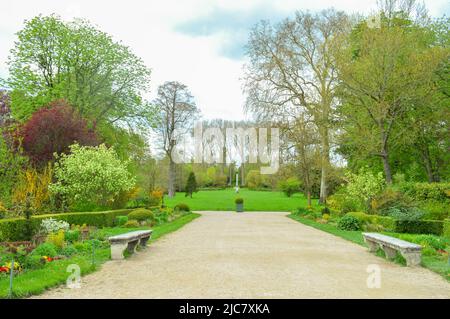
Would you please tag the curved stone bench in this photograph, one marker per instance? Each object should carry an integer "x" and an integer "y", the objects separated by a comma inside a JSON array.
[
  {"x": 128, "y": 241},
  {"x": 390, "y": 245}
]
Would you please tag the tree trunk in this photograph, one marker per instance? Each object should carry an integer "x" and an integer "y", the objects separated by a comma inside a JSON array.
[
  {"x": 171, "y": 186},
  {"x": 426, "y": 158},
  {"x": 242, "y": 174},
  {"x": 309, "y": 198},
  {"x": 386, "y": 167},
  {"x": 325, "y": 163}
]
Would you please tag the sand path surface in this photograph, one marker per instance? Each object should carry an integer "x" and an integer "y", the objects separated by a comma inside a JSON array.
[{"x": 253, "y": 255}]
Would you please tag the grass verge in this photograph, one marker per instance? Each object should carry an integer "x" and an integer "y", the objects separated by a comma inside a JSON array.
[
  {"x": 437, "y": 264},
  {"x": 55, "y": 273}
]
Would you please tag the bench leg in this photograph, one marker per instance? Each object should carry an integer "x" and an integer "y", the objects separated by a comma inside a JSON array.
[
  {"x": 413, "y": 259},
  {"x": 131, "y": 247},
  {"x": 373, "y": 246},
  {"x": 390, "y": 253},
  {"x": 143, "y": 241},
  {"x": 117, "y": 251}
]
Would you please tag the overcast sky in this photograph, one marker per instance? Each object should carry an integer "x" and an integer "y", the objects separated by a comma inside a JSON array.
[{"x": 197, "y": 42}]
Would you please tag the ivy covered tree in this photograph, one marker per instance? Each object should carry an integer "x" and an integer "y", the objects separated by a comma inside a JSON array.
[
  {"x": 52, "y": 130},
  {"x": 91, "y": 175},
  {"x": 191, "y": 185}
]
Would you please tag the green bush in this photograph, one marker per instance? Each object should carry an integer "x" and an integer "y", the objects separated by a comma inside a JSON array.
[
  {"x": 239, "y": 200},
  {"x": 121, "y": 220},
  {"x": 326, "y": 211},
  {"x": 405, "y": 214},
  {"x": 72, "y": 235},
  {"x": 161, "y": 216},
  {"x": 389, "y": 198},
  {"x": 349, "y": 223},
  {"x": 33, "y": 262},
  {"x": 69, "y": 251},
  {"x": 82, "y": 247},
  {"x": 290, "y": 186},
  {"x": 13, "y": 229},
  {"x": 388, "y": 223},
  {"x": 182, "y": 207},
  {"x": 45, "y": 249},
  {"x": 131, "y": 224},
  {"x": 446, "y": 229},
  {"x": 432, "y": 241},
  {"x": 426, "y": 191},
  {"x": 419, "y": 226},
  {"x": 140, "y": 215},
  {"x": 435, "y": 210}
]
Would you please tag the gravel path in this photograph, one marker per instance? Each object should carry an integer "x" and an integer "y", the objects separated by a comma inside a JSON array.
[{"x": 253, "y": 255}]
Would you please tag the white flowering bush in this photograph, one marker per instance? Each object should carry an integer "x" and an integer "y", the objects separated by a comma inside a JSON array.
[
  {"x": 364, "y": 185},
  {"x": 91, "y": 174},
  {"x": 51, "y": 225}
]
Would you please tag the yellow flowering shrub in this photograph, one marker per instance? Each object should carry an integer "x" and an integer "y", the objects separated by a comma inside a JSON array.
[{"x": 57, "y": 238}]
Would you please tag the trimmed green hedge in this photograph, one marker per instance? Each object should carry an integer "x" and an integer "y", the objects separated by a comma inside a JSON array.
[
  {"x": 13, "y": 229},
  {"x": 434, "y": 227},
  {"x": 446, "y": 230}
]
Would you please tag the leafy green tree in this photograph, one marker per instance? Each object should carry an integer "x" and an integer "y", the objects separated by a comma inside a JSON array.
[
  {"x": 387, "y": 75},
  {"x": 91, "y": 174},
  {"x": 191, "y": 185},
  {"x": 55, "y": 59}
]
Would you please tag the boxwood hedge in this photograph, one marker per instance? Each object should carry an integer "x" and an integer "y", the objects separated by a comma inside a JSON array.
[{"x": 13, "y": 229}]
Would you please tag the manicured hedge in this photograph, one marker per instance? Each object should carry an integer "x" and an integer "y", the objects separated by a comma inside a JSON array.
[
  {"x": 446, "y": 231},
  {"x": 13, "y": 229},
  {"x": 434, "y": 227}
]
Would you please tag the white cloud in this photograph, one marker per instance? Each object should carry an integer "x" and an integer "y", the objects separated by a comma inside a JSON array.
[{"x": 148, "y": 27}]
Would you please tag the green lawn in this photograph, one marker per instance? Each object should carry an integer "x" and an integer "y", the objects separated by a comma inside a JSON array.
[
  {"x": 37, "y": 281},
  {"x": 223, "y": 200},
  {"x": 438, "y": 264}
]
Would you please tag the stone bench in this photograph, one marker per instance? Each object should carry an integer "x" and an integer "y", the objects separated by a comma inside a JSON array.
[
  {"x": 128, "y": 241},
  {"x": 390, "y": 245}
]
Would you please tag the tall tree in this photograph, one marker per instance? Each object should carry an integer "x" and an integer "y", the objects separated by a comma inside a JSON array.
[
  {"x": 292, "y": 69},
  {"x": 177, "y": 113},
  {"x": 53, "y": 59},
  {"x": 387, "y": 75}
]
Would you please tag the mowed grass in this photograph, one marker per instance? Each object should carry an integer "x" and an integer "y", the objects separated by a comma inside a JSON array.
[
  {"x": 223, "y": 200},
  {"x": 55, "y": 273}
]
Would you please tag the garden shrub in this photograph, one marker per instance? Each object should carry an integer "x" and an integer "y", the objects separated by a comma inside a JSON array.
[
  {"x": 325, "y": 211},
  {"x": 141, "y": 214},
  {"x": 435, "y": 242},
  {"x": 364, "y": 185},
  {"x": 69, "y": 251},
  {"x": 349, "y": 223},
  {"x": 435, "y": 210},
  {"x": 161, "y": 216},
  {"x": 74, "y": 174},
  {"x": 446, "y": 229},
  {"x": 51, "y": 225},
  {"x": 427, "y": 191},
  {"x": 72, "y": 235},
  {"x": 182, "y": 207},
  {"x": 239, "y": 200},
  {"x": 13, "y": 229},
  {"x": 419, "y": 226},
  {"x": 45, "y": 249},
  {"x": 57, "y": 239},
  {"x": 121, "y": 220},
  {"x": 388, "y": 223},
  {"x": 290, "y": 186},
  {"x": 405, "y": 214},
  {"x": 82, "y": 247},
  {"x": 131, "y": 224},
  {"x": 389, "y": 198},
  {"x": 34, "y": 261}
]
